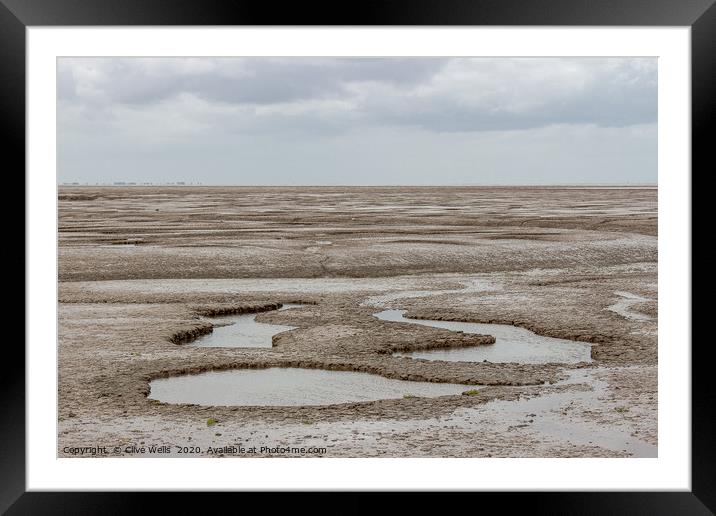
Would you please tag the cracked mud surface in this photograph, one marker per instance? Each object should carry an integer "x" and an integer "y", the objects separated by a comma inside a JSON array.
[{"x": 142, "y": 270}]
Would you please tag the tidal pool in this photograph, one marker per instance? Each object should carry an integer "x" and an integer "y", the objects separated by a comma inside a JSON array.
[
  {"x": 241, "y": 331},
  {"x": 282, "y": 386},
  {"x": 512, "y": 343}
]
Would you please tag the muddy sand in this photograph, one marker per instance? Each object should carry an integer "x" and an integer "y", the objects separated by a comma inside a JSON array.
[{"x": 146, "y": 271}]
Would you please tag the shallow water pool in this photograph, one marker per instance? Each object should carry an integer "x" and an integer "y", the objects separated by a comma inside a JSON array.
[
  {"x": 512, "y": 343},
  {"x": 290, "y": 386},
  {"x": 241, "y": 331}
]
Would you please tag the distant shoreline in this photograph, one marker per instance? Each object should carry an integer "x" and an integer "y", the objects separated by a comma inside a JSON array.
[{"x": 174, "y": 185}]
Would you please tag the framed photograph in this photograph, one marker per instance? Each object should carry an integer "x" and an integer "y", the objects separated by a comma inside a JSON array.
[{"x": 418, "y": 248}]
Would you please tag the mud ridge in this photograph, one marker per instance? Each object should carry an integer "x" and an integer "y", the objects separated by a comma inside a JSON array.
[
  {"x": 214, "y": 311},
  {"x": 462, "y": 341},
  {"x": 186, "y": 336}
]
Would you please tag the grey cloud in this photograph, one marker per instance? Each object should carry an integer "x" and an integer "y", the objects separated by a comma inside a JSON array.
[
  {"x": 412, "y": 91},
  {"x": 446, "y": 115},
  {"x": 608, "y": 93},
  {"x": 385, "y": 119},
  {"x": 242, "y": 80}
]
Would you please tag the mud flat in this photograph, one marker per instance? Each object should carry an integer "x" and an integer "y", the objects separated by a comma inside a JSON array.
[{"x": 149, "y": 275}]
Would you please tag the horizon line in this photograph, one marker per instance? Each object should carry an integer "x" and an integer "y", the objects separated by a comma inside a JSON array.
[{"x": 516, "y": 185}]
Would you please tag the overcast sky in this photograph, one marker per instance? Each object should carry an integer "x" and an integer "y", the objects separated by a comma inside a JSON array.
[{"x": 358, "y": 121}]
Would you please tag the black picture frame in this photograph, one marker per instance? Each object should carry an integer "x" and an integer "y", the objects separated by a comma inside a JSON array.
[{"x": 16, "y": 15}]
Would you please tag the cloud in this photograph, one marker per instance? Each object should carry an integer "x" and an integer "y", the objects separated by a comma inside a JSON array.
[
  {"x": 441, "y": 94},
  {"x": 231, "y": 80},
  {"x": 162, "y": 108},
  {"x": 502, "y": 94}
]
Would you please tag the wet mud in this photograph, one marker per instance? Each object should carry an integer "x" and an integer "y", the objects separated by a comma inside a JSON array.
[{"x": 541, "y": 259}]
